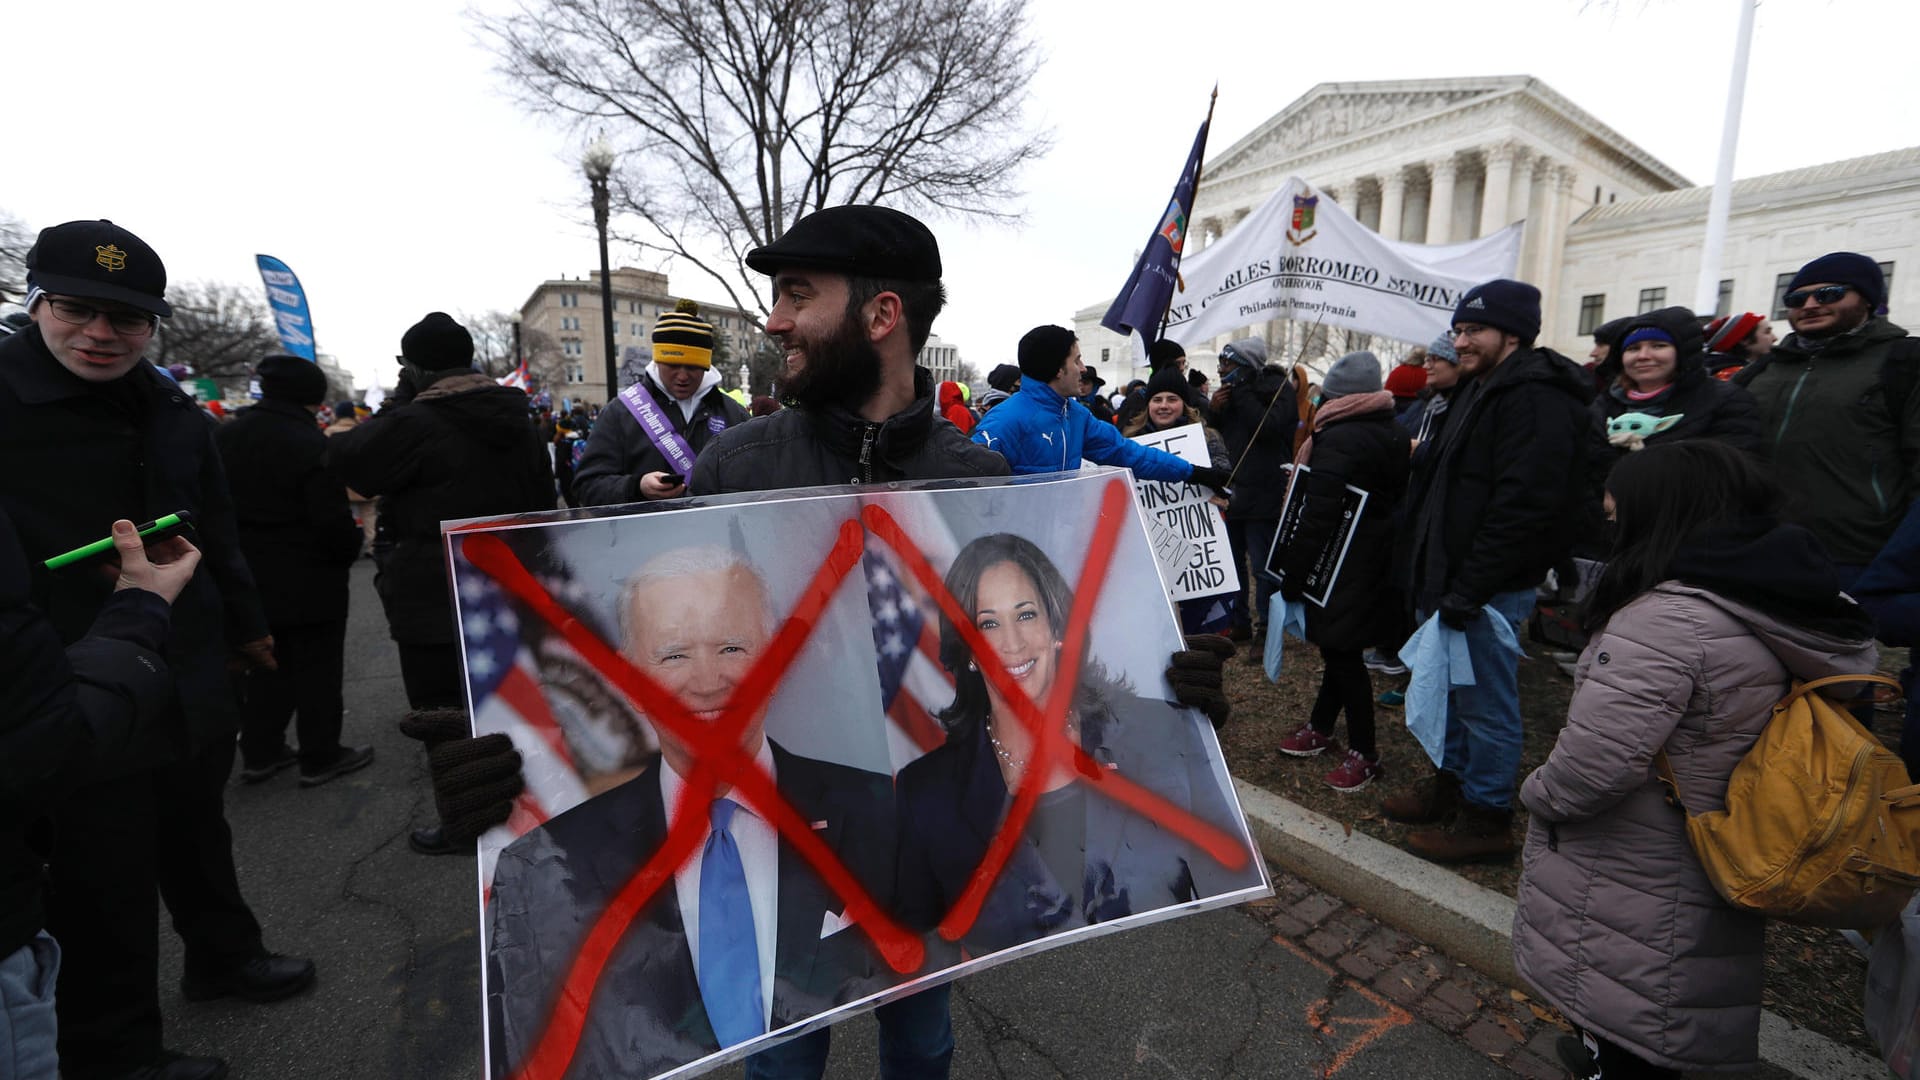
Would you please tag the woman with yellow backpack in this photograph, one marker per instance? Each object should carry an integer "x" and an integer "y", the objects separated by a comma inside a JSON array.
[{"x": 1708, "y": 613}]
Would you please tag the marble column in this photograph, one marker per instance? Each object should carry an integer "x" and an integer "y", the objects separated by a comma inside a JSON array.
[
  {"x": 1553, "y": 252},
  {"x": 1440, "y": 202},
  {"x": 1393, "y": 194},
  {"x": 1499, "y": 185}
]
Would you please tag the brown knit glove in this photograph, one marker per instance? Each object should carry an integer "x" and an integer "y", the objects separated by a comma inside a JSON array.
[
  {"x": 1194, "y": 673},
  {"x": 474, "y": 779}
]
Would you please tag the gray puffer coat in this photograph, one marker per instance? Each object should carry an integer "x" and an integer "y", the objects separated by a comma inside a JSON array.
[{"x": 1618, "y": 926}]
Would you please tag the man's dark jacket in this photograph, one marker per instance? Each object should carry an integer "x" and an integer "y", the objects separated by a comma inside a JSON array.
[
  {"x": 463, "y": 447},
  {"x": 1501, "y": 503},
  {"x": 80, "y": 455},
  {"x": 803, "y": 447},
  {"x": 1260, "y": 441},
  {"x": 295, "y": 525},
  {"x": 70, "y": 713},
  {"x": 619, "y": 453},
  {"x": 550, "y": 886}
]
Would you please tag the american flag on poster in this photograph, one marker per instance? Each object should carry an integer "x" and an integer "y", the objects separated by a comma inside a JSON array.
[
  {"x": 504, "y": 689},
  {"x": 906, "y": 643}
]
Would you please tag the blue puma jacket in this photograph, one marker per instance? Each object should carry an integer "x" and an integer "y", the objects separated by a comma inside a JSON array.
[{"x": 1039, "y": 431}]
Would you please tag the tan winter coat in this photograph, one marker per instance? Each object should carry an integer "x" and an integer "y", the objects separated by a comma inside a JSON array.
[{"x": 1617, "y": 925}]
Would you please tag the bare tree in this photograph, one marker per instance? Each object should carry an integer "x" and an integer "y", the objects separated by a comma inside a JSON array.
[
  {"x": 492, "y": 341},
  {"x": 15, "y": 239},
  {"x": 220, "y": 331},
  {"x": 738, "y": 118},
  {"x": 546, "y": 363}
]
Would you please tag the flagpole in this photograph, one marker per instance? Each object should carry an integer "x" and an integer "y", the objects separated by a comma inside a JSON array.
[
  {"x": 1707, "y": 291},
  {"x": 1199, "y": 170}
]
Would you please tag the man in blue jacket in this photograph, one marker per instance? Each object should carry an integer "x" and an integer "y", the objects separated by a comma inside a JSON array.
[{"x": 1042, "y": 428}]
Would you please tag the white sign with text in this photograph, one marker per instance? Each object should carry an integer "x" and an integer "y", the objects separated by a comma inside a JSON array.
[{"x": 1203, "y": 566}]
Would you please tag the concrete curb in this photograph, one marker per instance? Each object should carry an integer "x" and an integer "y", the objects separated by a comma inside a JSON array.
[{"x": 1471, "y": 923}]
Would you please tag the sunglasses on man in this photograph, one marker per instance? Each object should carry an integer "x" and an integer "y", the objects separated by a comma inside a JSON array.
[{"x": 1824, "y": 295}]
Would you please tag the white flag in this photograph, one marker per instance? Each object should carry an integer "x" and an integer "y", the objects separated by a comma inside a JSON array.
[{"x": 1302, "y": 256}]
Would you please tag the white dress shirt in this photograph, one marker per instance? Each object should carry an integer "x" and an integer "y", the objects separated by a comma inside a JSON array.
[{"x": 759, "y": 856}]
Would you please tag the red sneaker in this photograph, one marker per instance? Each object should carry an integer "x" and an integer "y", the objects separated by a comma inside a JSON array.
[
  {"x": 1354, "y": 772},
  {"x": 1304, "y": 743}
]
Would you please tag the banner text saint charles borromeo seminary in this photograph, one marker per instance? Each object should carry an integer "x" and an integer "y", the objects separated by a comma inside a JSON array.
[{"x": 760, "y": 651}]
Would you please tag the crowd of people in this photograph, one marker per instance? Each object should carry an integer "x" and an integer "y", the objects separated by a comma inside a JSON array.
[{"x": 1737, "y": 494}]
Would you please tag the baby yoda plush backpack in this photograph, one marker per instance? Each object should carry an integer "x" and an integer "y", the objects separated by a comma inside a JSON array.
[{"x": 1632, "y": 430}]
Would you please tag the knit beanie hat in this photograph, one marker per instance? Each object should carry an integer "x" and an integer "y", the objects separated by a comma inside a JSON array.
[
  {"x": 1165, "y": 353},
  {"x": 1354, "y": 373},
  {"x": 344, "y": 410},
  {"x": 437, "y": 343},
  {"x": 1729, "y": 332},
  {"x": 1406, "y": 381},
  {"x": 1168, "y": 380},
  {"x": 291, "y": 378},
  {"x": 681, "y": 337},
  {"x": 1846, "y": 268},
  {"x": 1003, "y": 377},
  {"x": 1442, "y": 349},
  {"x": 1675, "y": 324},
  {"x": 1504, "y": 304},
  {"x": 1247, "y": 352}
]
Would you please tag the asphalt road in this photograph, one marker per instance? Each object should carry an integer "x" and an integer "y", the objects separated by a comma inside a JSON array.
[{"x": 330, "y": 875}]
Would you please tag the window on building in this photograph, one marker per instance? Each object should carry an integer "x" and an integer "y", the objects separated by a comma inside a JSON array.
[
  {"x": 569, "y": 299},
  {"x": 1103, "y": 355},
  {"x": 1780, "y": 283},
  {"x": 1723, "y": 300},
  {"x": 1596, "y": 194},
  {"x": 633, "y": 307},
  {"x": 637, "y": 331},
  {"x": 571, "y": 348},
  {"x": 1593, "y": 312},
  {"x": 576, "y": 373},
  {"x": 1887, "y": 269},
  {"x": 1652, "y": 299}
]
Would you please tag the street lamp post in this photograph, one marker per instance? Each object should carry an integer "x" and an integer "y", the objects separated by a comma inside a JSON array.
[{"x": 597, "y": 162}]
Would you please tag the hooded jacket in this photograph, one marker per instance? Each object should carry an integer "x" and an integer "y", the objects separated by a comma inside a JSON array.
[
  {"x": 1038, "y": 431},
  {"x": 953, "y": 406},
  {"x": 463, "y": 447},
  {"x": 1617, "y": 925},
  {"x": 1830, "y": 435},
  {"x": 1258, "y": 415},
  {"x": 806, "y": 447},
  {"x": 619, "y": 453},
  {"x": 1499, "y": 501}
]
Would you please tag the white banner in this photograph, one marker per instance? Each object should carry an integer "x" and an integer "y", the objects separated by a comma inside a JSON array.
[
  {"x": 1189, "y": 536},
  {"x": 1302, "y": 256}
]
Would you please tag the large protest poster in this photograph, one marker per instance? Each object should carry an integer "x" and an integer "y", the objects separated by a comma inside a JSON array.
[
  {"x": 1323, "y": 573},
  {"x": 1203, "y": 566},
  {"x": 760, "y": 652}
]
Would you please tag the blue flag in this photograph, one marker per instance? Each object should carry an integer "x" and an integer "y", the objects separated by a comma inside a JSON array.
[
  {"x": 1142, "y": 303},
  {"x": 289, "y": 303}
]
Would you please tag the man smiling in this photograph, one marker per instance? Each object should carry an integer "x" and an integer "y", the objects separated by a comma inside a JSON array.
[{"x": 1840, "y": 420}]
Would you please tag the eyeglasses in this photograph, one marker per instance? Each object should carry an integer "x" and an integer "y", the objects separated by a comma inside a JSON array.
[
  {"x": 77, "y": 314},
  {"x": 1468, "y": 329},
  {"x": 1825, "y": 294}
]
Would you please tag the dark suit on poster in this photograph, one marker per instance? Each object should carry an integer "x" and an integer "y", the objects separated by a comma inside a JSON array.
[
  {"x": 954, "y": 799},
  {"x": 646, "y": 1015}
]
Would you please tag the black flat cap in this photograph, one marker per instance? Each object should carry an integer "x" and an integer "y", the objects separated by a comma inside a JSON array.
[{"x": 867, "y": 241}]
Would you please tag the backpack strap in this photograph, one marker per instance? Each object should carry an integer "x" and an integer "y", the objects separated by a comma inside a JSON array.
[
  {"x": 1665, "y": 767},
  {"x": 1834, "y": 680}
]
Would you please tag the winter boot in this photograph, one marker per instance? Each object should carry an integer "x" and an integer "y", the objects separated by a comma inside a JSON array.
[
  {"x": 1431, "y": 800},
  {"x": 1476, "y": 834}
]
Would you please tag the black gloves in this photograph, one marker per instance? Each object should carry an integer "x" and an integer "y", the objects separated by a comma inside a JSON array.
[
  {"x": 1457, "y": 611},
  {"x": 1194, "y": 674},
  {"x": 1291, "y": 590},
  {"x": 474, "y": 780},
  {"x": 1208, "y": 476}
]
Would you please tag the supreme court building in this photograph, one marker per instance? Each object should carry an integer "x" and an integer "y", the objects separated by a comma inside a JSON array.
[{"x": 1610, "y": 230}]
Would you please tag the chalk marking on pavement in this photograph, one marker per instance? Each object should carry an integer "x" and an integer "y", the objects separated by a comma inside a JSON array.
[{"x": 1371, "y": 1027}]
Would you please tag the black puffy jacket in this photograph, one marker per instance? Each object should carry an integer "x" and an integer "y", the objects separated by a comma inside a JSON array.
[
  {"x": 463, "y": 447},
  {"x": 70, "y": 713},
  {"x": 1501, "y": 502},
  {"x": 1258, "y": 417},
  {"x": 1369, "y": 451},
  {"x": 803, "y": 447}
]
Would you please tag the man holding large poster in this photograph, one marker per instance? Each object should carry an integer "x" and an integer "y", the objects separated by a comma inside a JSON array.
[{"x": 747, "y": 939}]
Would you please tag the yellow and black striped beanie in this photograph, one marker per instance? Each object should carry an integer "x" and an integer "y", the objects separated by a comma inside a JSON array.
[{"x": 680, "y": 337}]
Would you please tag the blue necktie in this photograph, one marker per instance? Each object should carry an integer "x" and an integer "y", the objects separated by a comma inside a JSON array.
[{"x": 729, "y": 954}]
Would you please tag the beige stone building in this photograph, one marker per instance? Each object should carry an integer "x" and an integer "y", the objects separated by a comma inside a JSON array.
[
  {"x": 562, "y": 334},
  {"x": 1610, "y": 230}
]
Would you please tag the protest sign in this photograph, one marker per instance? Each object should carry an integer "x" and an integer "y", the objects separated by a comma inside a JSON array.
[
  {"x": 1324, "y": 571},
  {"x": 1204, "y": 565},
  {"x": 709, "y": 696}
]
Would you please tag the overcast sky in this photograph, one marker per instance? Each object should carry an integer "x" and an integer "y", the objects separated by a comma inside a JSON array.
[{"x": 372, "y": 147}]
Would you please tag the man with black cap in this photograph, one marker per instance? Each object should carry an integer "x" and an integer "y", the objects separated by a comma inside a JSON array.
[
  {"x": 463, "y": 447},
  {"x": 300, "y": 542},
  {"x": 856, "y": 289},
  {"x": 1839, "y": 413},
  {"x": 1090, "y": 395},
  {"x": 1492, "y": 506},
  {"x": 645, "y": 449},
  {"x": 91, "y": 432}
]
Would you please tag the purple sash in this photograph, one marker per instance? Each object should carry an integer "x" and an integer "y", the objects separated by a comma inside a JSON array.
[{"x": 659, "y": 430}]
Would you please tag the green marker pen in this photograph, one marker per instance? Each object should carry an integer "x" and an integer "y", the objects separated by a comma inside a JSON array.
[{"x": 184, "y": 517}]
